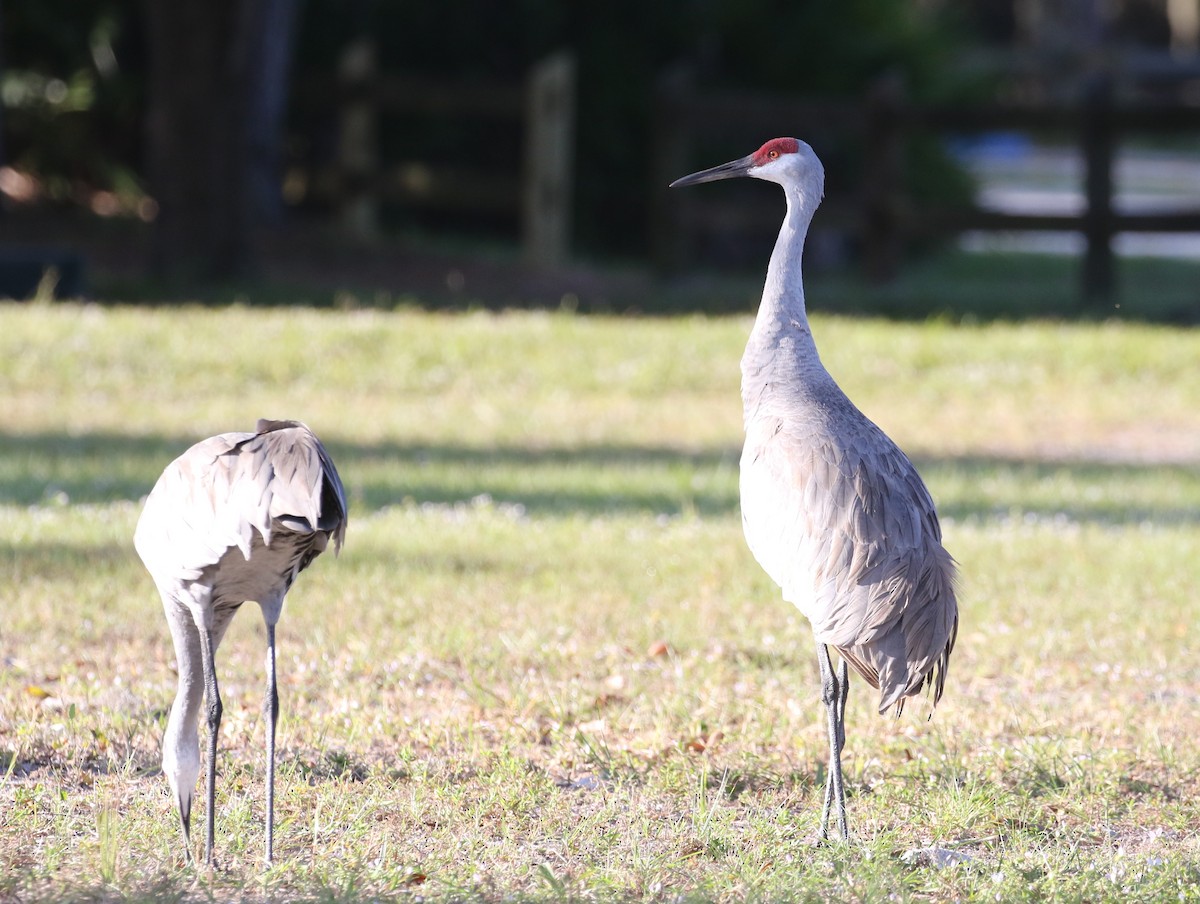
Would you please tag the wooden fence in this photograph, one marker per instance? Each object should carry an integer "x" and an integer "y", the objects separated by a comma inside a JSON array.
[
  {"x": 358, "y": 181},
  {"x": 881, "y": 214}
]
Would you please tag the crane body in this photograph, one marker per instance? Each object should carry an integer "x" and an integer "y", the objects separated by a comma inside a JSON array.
[
  {"x": 234, "y": 519},
  {"x": 832, "y": 509}
]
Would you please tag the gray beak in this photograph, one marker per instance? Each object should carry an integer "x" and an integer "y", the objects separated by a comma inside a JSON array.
[{"x": 730, "y": 170}]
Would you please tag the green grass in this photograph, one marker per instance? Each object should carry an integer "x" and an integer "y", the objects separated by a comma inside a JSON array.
[{"x": 546, "y": 667}]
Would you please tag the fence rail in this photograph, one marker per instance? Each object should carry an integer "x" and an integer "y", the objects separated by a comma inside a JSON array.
[
  {"x": 881, "y": 215},
  {"x": 358, "y": 181}
]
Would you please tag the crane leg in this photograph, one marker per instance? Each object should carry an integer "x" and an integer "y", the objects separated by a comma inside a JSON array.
[
  {"x": 271, "y": 710},
  {"x": 835, "y": 687},
  {"x": 844, "y": 688},
  {"x": 213, "y": 702}
]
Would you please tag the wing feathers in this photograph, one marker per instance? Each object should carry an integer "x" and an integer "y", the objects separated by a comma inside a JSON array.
[
  {"x": 841, "y": 520},
  {"x": 223, "y": 490}
]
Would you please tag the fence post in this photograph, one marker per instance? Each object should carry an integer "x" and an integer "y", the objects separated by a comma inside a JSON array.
[
  {"x": 671, "y": 140},
  {"x": 549, "y": 149},
  {"x": 358, "y": 151},
  {"x": 883, "y": 178},
  {"x": 1098, "y": 139}
]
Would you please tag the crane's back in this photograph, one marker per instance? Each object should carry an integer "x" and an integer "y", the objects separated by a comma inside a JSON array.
[{"x": 240, "y": 514}]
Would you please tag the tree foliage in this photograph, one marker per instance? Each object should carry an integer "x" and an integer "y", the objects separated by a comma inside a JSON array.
[{"x": 73, "y": 88}]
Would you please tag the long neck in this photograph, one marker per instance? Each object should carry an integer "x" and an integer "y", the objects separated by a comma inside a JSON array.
[
  {"x": 181, "y": 743},
  {"x": 782, "y": 322},
  {"x": 783, "y": 292}
]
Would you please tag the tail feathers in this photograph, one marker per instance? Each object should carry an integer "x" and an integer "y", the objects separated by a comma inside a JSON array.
[{"x": 884, "y": 666}]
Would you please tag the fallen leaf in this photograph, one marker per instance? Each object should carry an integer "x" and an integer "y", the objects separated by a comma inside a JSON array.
[{"x": 702, "y": 742}]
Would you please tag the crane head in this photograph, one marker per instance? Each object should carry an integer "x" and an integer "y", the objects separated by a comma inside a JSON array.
[{"x": 787, "y": 161}]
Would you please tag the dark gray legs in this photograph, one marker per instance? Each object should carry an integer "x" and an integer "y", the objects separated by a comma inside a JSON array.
[
  {"x": 271, "y": 711},
  {"x": 834, "y": 690},
  {"x": 212, "y": 699}
]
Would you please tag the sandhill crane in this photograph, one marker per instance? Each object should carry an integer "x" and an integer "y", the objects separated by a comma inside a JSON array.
[
  {"x": 831, "y": 508},
  {"x": 235, "y": 518}
]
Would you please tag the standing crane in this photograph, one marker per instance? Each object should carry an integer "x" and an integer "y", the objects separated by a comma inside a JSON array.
[
  {"x": 236, "y": 517},
  {"x": 832, "y": 509}
]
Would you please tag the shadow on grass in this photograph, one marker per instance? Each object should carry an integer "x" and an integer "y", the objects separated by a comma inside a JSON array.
[
  {"x": 961, "y": 286},
  {"x": 50, "y": 468},
  {"x": 101, "y": 468},
  {"x": 955, "y": 288},
  {"x": 307, "y": 263}
]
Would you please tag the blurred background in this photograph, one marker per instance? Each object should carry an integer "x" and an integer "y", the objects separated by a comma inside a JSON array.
[{"x": 983, "y": 157}]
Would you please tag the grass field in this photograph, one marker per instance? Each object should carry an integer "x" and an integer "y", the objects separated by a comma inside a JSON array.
[{"x": 545, "y": 666}]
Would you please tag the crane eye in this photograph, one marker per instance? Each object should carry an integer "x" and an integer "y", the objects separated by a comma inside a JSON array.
[{"x": 773, "y": 154}]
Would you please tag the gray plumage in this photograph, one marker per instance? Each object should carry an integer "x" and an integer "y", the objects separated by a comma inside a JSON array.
[
  {"x": 235, "y": 518},
  {"x": 832, "y": 509}
]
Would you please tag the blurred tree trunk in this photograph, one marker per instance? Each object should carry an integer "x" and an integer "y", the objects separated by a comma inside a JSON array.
[
  {"x": 270, "y": 80},
  {"x": 3, "y": 159},
  {"x": 217, "y": 85}
]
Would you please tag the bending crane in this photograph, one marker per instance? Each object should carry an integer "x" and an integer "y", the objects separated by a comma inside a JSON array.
[{"x": 236, "y": 517}]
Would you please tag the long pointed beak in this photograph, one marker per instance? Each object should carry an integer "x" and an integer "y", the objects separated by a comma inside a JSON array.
[
  {"x": 730, "y": 170},
  {"x": 185, "y": 820}
]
